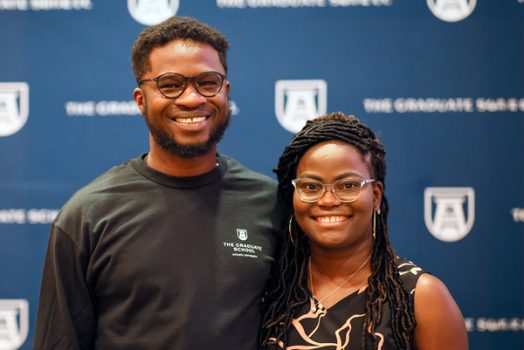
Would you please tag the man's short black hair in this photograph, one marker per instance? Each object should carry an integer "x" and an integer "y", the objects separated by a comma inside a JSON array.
[{"x": 175, "y": 28}]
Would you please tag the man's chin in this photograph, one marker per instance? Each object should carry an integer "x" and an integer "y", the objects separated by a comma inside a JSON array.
[{"x": 188, "y": 151}]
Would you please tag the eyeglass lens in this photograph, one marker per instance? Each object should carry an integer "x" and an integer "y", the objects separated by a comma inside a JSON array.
[
  {"x": 346, "y": 190},
  {"x": 172, "y": 85}
]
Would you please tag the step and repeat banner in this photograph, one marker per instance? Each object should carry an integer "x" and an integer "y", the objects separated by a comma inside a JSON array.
[{"x": 440, "y": 81}]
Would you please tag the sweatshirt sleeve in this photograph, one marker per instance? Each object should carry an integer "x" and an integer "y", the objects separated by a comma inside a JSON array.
[{"x": 66, "y": 313}]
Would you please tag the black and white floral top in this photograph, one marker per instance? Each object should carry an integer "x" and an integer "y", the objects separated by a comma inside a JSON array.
[{"x": 340, "y": 326}]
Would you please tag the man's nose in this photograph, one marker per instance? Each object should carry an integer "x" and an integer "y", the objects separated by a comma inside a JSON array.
[{"x": 190, "y": 97}]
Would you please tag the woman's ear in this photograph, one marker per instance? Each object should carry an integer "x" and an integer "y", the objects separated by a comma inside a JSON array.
[{"x": 378, "y": 190}]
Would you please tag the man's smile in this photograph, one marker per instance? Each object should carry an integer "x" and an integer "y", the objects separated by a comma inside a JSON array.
[{"x": 189, "y": 120}]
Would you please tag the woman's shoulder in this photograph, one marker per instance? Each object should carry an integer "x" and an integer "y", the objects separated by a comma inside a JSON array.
[
  {"x": 409, "y": 273},
  {"x": 437, "y": 313}
]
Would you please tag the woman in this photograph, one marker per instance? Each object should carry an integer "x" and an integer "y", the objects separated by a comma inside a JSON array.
[{"x": 339, "y": 284}]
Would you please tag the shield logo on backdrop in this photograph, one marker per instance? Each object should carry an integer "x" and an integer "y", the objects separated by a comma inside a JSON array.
[
  {"x": 14, "y": 323},
  {"x": 14, "y": 107},
  {"x": 446, "y": 209},
  {"x": 297, "y": 101},
  {"x": 452, "y": 10},
  {"x": 150, "y": 12}
]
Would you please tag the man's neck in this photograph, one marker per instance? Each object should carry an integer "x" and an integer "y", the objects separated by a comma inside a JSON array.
[{"x": 173, "y": 165}]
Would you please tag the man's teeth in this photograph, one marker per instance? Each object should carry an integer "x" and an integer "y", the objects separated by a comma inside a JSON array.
[
  {"x": 330, "y": 219},
  {"x": 190, "y": 120}
]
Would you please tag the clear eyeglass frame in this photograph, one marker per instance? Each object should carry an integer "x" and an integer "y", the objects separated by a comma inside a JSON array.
[
  {"x": 317, "y": 189},
  {"x": 172, "y": 85}
]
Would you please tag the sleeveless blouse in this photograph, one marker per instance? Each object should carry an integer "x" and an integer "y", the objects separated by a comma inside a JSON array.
[{"x": 340, "y": 326}]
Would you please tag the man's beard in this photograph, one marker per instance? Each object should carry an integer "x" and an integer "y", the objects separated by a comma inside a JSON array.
[{"x": 169, "y": 144}]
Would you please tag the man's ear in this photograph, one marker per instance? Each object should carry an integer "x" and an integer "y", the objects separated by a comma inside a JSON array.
[
  {"x": 139, "y": 97},
  {"x": 228, "y": 88}
]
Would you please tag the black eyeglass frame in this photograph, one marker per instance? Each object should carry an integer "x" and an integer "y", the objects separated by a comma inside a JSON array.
[
  {"x": 192, "y": 80},
  {"x": 362, "y": 182}
]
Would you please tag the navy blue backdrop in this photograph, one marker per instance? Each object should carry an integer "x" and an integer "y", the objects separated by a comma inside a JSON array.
[{"x": 441, "y": 81}]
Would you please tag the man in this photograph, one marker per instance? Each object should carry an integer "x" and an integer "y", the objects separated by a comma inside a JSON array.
[{"x": 170, "y": 250}]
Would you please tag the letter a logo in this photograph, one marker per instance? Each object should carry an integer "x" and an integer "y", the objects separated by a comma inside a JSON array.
[
  {"x": 149, "y": 12},
  {"x": 452, "y": 10},
  {"x": 14, "y": 107},
  {"x": 445, "y": 211},
  {"x": 14, "y": 323},
  {"x": 297, "y": 101}
]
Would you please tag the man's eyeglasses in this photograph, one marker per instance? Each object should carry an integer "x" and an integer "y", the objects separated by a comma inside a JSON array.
[
  {"x": 172, "y": 85},
  {"x": 346, "y": 190}
]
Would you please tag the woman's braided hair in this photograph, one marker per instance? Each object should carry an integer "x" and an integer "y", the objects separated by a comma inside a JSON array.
[{"x": 288, "y": 291}]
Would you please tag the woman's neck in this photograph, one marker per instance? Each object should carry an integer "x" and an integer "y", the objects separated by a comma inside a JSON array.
[
  {"x": 340, "y": 264},
  {"x": 333, "y": 277}
]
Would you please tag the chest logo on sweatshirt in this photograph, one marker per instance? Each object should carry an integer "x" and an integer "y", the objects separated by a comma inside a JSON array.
[
  {"x": 242, "y": 234},
  {"x": 242, "y": 247}
]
